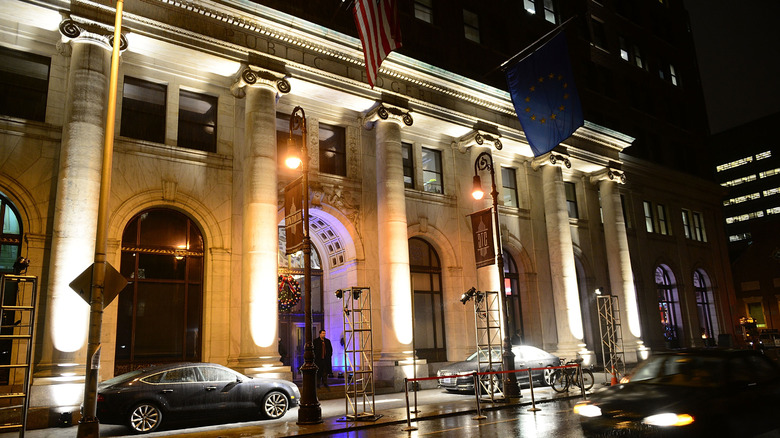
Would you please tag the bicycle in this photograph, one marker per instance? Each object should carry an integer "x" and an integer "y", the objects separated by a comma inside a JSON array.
[{"x": 562, "y": 378}]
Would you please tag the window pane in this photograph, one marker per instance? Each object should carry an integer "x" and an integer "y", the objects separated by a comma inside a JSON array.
[
  {"x": 159, "y": 309},
  {"x": 24, "y": 84},
  {"x": 333, "y": 155},
  {"x": 432, "y": 171},
  {"x": 571, "y": 199},
  {"x": 408, "y": 163},
  {"x": 662, "y": 219},
  {"x": 509, "y": 181},
  {"x": 649, "y": 222},
  {"x": 423, "y": 10},
  {"x": 471, "y": 25},
  {"x": 529, "y": 6},
  {"x": 686, "y": 224},
  {"x": 10, "y": 221},
  {"x": 197, "y": 121},
  {"x": 143, "y": 110},
  {"x": 549, "y": 11}
]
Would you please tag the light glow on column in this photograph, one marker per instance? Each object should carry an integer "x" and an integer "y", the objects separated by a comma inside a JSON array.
[
  {"x": 69, "y": 312},
  {"x": 402, "y": 302},
  {"x": 263, "y": 274}
]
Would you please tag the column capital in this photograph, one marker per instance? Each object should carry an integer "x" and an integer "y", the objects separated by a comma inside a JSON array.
[
  {"x": 608, "y": 174},
  {"x": 551, "y": 159},
  {"x": 478, "y": 137},
  {"x": 252, "y": 76},
  {"x": 88, "y": 32},
  {"x": 388, "y": 112}
]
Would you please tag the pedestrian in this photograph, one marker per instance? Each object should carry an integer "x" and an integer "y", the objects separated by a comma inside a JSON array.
[{"x": 323, "y": 351}]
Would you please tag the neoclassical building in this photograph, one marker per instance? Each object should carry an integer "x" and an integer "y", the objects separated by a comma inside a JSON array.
[{"x": 196, "y": 218}]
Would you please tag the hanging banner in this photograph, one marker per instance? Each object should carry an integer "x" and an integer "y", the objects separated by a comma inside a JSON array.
[
  {"x": 293, "y": 215},
  {"x": 482, "y": 227}
]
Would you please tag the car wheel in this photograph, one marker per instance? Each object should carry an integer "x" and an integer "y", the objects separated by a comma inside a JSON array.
[
  {"x": 547, "y": 376},
  {"x": 145, "y": 418},
  {"x": 274, "y": 405}
]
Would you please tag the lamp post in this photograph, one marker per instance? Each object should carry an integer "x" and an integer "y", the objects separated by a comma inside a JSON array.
[
  {"x": 309, "y": 411},
  {"x": 484, "y": 161}
]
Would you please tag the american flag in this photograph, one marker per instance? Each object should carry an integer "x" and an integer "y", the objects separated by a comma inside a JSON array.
[{"x": 377, "y": 24}]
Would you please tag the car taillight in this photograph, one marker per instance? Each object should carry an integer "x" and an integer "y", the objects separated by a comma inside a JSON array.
[{"x": 100, "y": 398}]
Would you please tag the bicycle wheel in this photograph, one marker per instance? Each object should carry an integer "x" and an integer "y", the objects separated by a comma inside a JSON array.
[
  {"x": 559, "y": 381},
  {"x": 587, "y": 379}
]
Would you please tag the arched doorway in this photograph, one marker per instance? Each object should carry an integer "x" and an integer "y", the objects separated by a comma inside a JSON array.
[
  {"x": 10, "y": 250},
  {"x": 705, "y": 307},
  {"x": 159, "y": 319},
  {"x": 292, "y": 322},
  {"x": 668, "y": 306},
  {"x": 425, "y": 269},
  {"x": 513, "y": 300}
]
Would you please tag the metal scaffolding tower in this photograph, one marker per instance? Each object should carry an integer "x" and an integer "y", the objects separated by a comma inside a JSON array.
[
  {"x": 611, "y": 337},
  {"x": 18, "y": 294},
  {"x": 487, "y": 319},
  {"x": 358, "y": 354}
]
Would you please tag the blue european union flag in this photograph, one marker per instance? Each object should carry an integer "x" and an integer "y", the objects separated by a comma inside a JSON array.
[{"x": 544, "y": 95}]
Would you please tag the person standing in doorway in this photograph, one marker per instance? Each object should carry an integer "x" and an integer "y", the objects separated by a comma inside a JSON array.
[{"x": 323, "y": 351}]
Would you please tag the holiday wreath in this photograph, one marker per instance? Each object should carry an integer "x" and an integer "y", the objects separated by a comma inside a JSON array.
[{"x": 289, "y": 292}]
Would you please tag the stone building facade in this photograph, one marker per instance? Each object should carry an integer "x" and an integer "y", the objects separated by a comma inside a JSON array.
[{"x": 196, "y": 203}]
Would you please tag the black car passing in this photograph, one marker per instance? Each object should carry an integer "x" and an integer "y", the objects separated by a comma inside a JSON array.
[
  {"x": 143, "y": 399},
  {"x": 689, "y": 393}
]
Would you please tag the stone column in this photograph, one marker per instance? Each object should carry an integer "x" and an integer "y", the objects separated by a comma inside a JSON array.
[
  {"x": 63, "y": 341},
  {"x": 568, "y": 315},
  {"x": 621, "y": 277},
  {"x": 260, "y": 237},
  {"x": 394, "y": 280}
]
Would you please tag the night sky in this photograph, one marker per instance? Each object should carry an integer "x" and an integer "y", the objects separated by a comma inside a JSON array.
[{"x": 738, "y": 47}]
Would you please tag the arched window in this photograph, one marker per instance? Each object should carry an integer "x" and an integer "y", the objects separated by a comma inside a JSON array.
[
  {"x": 668, "y": 305},
  {"x": 705, "y": 305},
  {"x": 425, "y": 270},
  {"x": 160, "y": 310},
  {"x": 513, "y": 302},
  {"x": 10, "y": 249}
]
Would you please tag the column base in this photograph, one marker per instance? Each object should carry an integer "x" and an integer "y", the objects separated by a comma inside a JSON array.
[{"x": 391, "y": 371}]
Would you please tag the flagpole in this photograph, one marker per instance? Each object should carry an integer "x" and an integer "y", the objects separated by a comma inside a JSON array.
[{"x": 535, "y": 45}]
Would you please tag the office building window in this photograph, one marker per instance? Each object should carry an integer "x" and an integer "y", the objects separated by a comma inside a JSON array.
[
  {"x": 638, "y": 59},
  {"x": 599, "y": 33},
  {"x": 662, "y": 225},
  {"x": 649, "y": 219},
  {"x": 571, "y": 199},
  {"x": 705, "y": 305},
  {"x": 143, "y": 110},
  {"x": 509, "y": 183},
  {"x": 197, "y": 121},
  {"x": 471, "y": 26},
  {"x": 423, "y": 10},
  {"x": 698, "y": 228},
  {"x": 408, "y": 163},
  {"x": 24, "y": 84},
  {"x": 529, "y": 6},
  {"x": 333, "y": 150},
  {"x": 686, "y": 220},
  {"x": 432, "y": 171},
  {"x": 623, "y": 48},
  {"x": 673, "y": 75},
  {"x": 549, "y": 11}
]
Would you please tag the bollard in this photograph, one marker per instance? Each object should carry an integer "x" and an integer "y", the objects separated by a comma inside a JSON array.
[
  {"x": 409, "y": 426},
  {"x": 531, "y": 385},
  {"x": 479, "y": 415},
  {"x": 582, "y": 380}
]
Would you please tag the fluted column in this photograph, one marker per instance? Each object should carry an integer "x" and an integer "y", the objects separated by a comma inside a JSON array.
[
  {"x": 621, "y": 277},
  {"x": 74, "y": 224},
  {"x": 394, "y": 279},
  {"x": 568, "y": 315},
  {"x": 260, "y": 236}
]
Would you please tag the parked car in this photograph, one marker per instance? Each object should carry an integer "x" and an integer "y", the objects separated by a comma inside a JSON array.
[
  {"x": 144, "y": 399},
  {"x": 526, "y": 356},
  {"x": 691, "y": 393}
]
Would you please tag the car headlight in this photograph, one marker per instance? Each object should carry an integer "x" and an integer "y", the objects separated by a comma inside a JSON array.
[
  {"x": 668, "y": 419},
  {"x": 586, "y": 409}
]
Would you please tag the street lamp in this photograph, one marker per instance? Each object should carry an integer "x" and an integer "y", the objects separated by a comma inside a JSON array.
[
  {"x": 485, "y": 162},
  {"x": 309, "y": 411}
]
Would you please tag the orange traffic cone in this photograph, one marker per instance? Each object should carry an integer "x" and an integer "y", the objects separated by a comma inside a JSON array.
[{"x": 614, "y": 380}]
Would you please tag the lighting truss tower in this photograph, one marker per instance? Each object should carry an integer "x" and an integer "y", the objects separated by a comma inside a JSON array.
[
  {"x": 18, "y": 294},
  {"x": 487, "y": 319},
  {"x": 611, "y": 336},
  {"x": 358, "y": 354}
]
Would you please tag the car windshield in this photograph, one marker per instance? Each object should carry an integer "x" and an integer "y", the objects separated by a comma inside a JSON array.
[
  {"x": 680, "y": 370},
  {"x": 496, "y": 355},
  {"x": 122, "y": 378}
]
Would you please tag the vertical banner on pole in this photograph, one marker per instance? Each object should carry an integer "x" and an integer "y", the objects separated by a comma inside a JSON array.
[
  {"x": 293, "y": 215},
  {"x": 482, "y": 227}
]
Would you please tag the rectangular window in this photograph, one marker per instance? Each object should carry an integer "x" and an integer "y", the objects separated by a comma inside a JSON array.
[
  {"x": 626, "y": 214},
  {"x": 529, "y": 6},
  {"x": 471, "y": 26},
  {"x": 638, "y": 60},
  {"x": 423, "y": 10},
  {"x": 649, "y": 220},
  {"x": 432, "y": 171},
  {"x": 408, "y": 163},
  {"x": 24, "y": 84},
  {"x": 698, "y": 228},
  {"x": 509, "y": 183},
  {"x": 143, "y": 110},
  {"x": 549, "y": 11},
  {"x": 686, "y": 220},
  {"x": 673, "y": 75},
  {"x": 662, "y": 227},
  {"x": 333, "y": 150},
  {"x": 599, "y": 33},
  {"x": 197, "y": 121},
  {"x": 733, "y": 164},
  {"x": 571, "y": 199},
  {"x": 623, "y": 48},
  {"x": 756, "y": 311}
]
